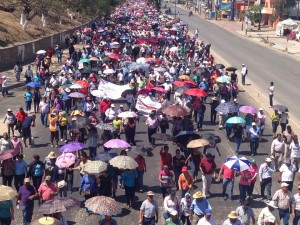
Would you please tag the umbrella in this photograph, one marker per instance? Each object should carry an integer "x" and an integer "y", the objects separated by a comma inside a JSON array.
[
  {"x": 124, "y": 37},
  {"x": 189, "y": 83},
  {"x": 183, "y": 136},
  {"x": 222, "y": 79},
  {"x": 202, "y": 71},
  {"x": 175, "y": 110},
  {"x": 76, "y": 95},
  {"x": 126, "y": 92},
  {"x": 75, "y": 86},
  {"x": 247, "y": 109},
  {"x": 95, "y": 167},
  {"x": 113, "y": 56},
  {"x": 72, "y": 147},
  {"x": 116, "y": 143},
  {"x": 160, "y": 69},
  {"x": 144, "y": 91},
  {"x": 123, "y": 162},
  {"x": 135, "y": 66},
  {"x": 238, "y": 163},
  {"x": 181, "y": 90},
  {"x": 141, "y": 60},
  {"x": 184, "y": 77},
  {"x": 219, "y": 66},
  {"x": 82, "y": 122},
  {"x": 58, "y": 204},
  {"x": 34, "y": 84},
  {"x": 105, "y": 126},
  {"x": 84, "y": 60},
  {"x": 231, "y": 68},
  {"x": 105, "y": 156},
  {"x": 127, "y": 114},
  {"x": 7, "y": 193},
  {"x": 226, "y": 108},
  {"x": 159, "y": 89},
  {"x": 115, "y": 45},
  {"x": 65, "y": 160},
  {"x": 98, "y": 93},
  {"x": 109, "y": 71},
  {"x": 46, "y": 221},
  {"x": 162, "y": 136},
  {"x": 149, "y": 60},
  {"x": 197, "y": 143},
  {"x": 210, "y": 136},
  {"x": 39, "y": 52},
  {"x": 280, "y": 108},
  {"x": 83, "y": 83},
  {"x": 173, "y": 49},
  {"x": 196, "y": 92},
  {"x": 103, "y": 206},
  {"x": 179, "y": 83},
  {"x": 7, "y": 154},
  {"x": 236, "y": 120},
  {"x": 94, "y": 59}
]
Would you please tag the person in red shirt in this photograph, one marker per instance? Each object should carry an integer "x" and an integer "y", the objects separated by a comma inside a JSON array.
[
  {"x": 104, "y": 105},
  {"x": 165, "y": 157},
  {"x": 207, "y": 167},
  {"x": 228, "y": 178},
  {"x": 141, "y": 169},
  {"x": 21, "y": 115}
]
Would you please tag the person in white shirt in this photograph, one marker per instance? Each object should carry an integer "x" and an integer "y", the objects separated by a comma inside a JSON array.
[
  {"x": 271, "y": 94},
  {"x": 120, "y": 77},
  {"x": 207, "y": 219},
  {"x": 261, "y": 118},
  {"x": 232, "y": 219},
  {"x": 295, "y": 151},
  {"x": 129, "y": 100},
  {"x": 269, "y": 214},
  {"x": 168, "y": 87},
  {"x": 286, "y": 173},
  {"x": 171, "y": 203},
  {"x": 296, "y": 207},
  {"x": 110, "y": 113},
  {"x": 244, "y": 72},
  {"x": 277, "y": 151}
]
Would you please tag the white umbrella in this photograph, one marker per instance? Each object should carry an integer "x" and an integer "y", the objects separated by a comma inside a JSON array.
[
  {"x": 115, "y": 45},
  {"x": 123, "y": 162},
  {"x": 109, "y": 71},
  {"x": 98, "y": 93},
  {"x": 173, "y": 49},
  {"x": 127, "y": 114},
  {"x": 76, "y": 86},
  {"x": 39, "y": 52},
  {"x": 141, "y": 60}
]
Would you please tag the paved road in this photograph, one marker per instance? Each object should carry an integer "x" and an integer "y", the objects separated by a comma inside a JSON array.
[{"x": 264, "y": 64}]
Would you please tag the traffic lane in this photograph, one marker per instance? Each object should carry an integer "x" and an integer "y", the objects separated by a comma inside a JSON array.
[{"x": 264, "y": 64}]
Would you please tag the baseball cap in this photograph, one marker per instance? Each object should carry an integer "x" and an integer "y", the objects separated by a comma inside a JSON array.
[
  {"x": 284, "y": 184},
  {"x": 268, "y": 160},
  {"x": 253, "y": 123},
  {"x": 112, "y": 105}
]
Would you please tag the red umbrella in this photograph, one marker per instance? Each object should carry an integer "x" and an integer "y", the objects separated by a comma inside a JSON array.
[
  {"x": 175, "y": 110},
  {"x": 159, "y": 89},
  {"x": 196, "y": 92},
  {"x": 189, "y": 83},
  {"x": 84, "y": 91},
  {"x": 83, "y": 83},
  {"x": 113, "y": 56},
  {"x": 7, "y": 154},
  {"x": 179, "y": 83},
  {"x": 143, "y": 91}
]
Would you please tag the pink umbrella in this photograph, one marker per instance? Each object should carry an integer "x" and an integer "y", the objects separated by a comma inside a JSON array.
[
  {"x": 7, "y": 154},
  {"x": 159, "y": 89},
  {"x": 143, "y": 91},
  {"x": 65, "y": 160},
  {"x": 248, "y": 109},
  {"x": 117, "y": 143}
]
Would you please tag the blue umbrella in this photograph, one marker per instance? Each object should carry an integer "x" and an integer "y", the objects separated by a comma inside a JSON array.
[
  {"x": 222, "y": 79},
  {"x": 226, "y": 108},
  {"x": 124, "y": 37},
  {"x": 236, "y": 120},
  {"x": 34, "y": 84},
  {"x": 238, "y": 163}
]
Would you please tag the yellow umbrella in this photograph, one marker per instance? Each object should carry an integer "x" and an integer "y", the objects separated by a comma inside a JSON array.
[
  {"x": 197, "y": 143},
  {"x": 46, "y": 221},
  {"x": 7, "y": 193},
  {"x": 184, "y": 77}
]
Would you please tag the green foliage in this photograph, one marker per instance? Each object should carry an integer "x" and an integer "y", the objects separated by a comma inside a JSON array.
[
  {"x": 255, "y": 12},
  {"x": 282, "y": 9},
  {"x": 92, "y": 7}
]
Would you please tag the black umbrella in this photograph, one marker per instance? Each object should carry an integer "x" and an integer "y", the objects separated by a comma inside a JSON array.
[
  {"x": 231, "y": 68},
  {"x": 226, "y": 108},
  {"x": 219, "y": 66},
  {"x": 211, "y": 136},
  {"x": 161, "y": 136},
  {"x": 82, "y": 122},
  {"x": 183, "y": 136},
  {"x": 280, "y": 108},
  {"x": 128, "y": 91}
]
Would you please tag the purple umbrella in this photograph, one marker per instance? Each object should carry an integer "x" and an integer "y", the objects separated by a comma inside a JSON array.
[
  {"x": 72, "y": 147},
  {"x": 248, "y": 109},
  {"x": 117, "y": 143}
]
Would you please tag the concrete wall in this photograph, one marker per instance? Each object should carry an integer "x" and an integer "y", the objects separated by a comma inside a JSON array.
[{"x": 26, "y": 52}]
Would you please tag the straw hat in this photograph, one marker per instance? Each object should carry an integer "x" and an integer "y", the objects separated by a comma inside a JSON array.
[
  {"x": 232, "y": 215},
  {"x": 272, "y": 204},
  {"x": 198, "y": 194},
  {"x": 51, "y": 155},
  {"x": 150, "y": 193}
]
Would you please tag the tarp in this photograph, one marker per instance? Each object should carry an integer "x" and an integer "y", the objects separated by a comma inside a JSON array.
[
  {"x": 288, "y": 23},
  {"x": 146, "y": 104},
  {"x": 111, "y": 90}
]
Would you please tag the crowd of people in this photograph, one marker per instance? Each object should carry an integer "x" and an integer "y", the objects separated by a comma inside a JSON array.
[{"x": 157, "y": 58}]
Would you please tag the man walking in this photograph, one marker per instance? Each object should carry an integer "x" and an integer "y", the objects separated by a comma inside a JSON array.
[
  {"x": 287, "y": 173},
  {"x": 296, "y": 207},
  {"x": 277, "y": 151},
  {"x": 265, "y": 174},
  {"x": 254, "y": 138},
  {"x": 207, "y": 167},
  {"x": 228, "y": 178},
  {"x": 149, "y": 210},
  {"x": 198, "y": 207},
  {"x": 244, "y": 73}
]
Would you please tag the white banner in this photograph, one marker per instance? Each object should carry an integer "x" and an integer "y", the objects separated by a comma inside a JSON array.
[
  {"x": 111, "y": 90},
  {"x": 145, "y": 105}
]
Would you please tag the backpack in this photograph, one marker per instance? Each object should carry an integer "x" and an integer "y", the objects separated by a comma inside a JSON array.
[{"x": 38, "y": 170}]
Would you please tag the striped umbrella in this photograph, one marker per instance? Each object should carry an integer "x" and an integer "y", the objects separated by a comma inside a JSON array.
[
  {"x": 95, "y": 167},
  {"x": 238, "y": 163},
  {"x": 236, "y": 120},
  {"x": 103, "y": 206}
]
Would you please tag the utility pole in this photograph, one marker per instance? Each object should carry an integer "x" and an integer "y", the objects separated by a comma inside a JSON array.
[
  {"x": 259, "y": 20},
  {"x": 175, "y": 9}
]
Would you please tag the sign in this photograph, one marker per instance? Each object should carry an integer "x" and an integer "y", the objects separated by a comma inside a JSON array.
[
  {"x": 146, "y": 104},
  {"x": 111, "y": 90}
]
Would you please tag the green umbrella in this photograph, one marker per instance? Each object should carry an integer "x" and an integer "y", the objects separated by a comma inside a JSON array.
[{"x": 84, "y": 60}]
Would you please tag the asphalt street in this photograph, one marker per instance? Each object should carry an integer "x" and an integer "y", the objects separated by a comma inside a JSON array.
[{"x": 264, "y": 64}]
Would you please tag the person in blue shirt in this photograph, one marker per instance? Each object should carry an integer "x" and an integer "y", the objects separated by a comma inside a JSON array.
[
  {"x": 88, "y": 186},
  {"x": 28, "y": 99},
  {"x": 108, "y": 220},
  {"x": 198, "y": 207},
  {"x": 20, "y": 171},
  {"x": 204, "y": 86},
  {"x": 254, "y": 138},
  {"x": 128, "y": 178}
]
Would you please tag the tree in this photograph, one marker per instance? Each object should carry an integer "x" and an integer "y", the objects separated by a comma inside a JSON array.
[
  {"x": 282, "y": 9},
  {"x": 255, "y": 15}
]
